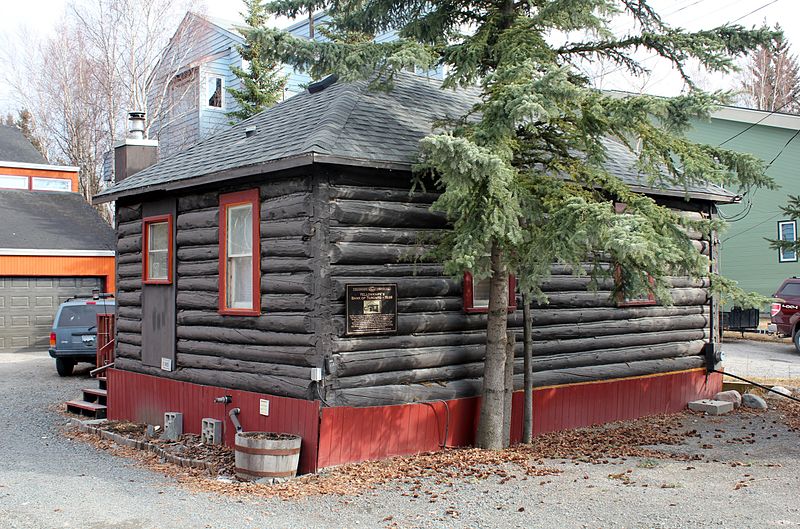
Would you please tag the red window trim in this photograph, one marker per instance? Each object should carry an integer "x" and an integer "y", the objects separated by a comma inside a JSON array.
[
  {"x": 469, "y": 307},
  {"x": 251, "y": 196},
  {"x": 146, "y": 222},
  {"x": 622, "y": 302}
]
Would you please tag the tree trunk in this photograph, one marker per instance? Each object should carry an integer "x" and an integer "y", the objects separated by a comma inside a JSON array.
[
  {"x": 490, "y": 425},
  {"x": 527, "y": 357},
  {"x": 509, "y": 388}
]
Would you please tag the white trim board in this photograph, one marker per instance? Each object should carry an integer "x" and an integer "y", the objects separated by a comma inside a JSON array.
[
  {"x": 40, "y": 166},
  {"x": 36, "y": 252}
]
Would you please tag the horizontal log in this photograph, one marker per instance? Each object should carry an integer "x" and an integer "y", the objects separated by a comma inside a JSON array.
[
  {"x": 405, "y": 306},
  {"x": 219, "y": 363},
  {"x": 130, "y": 244},
  {"x": 225, "y": 335},
  {"x": 402, "y": 393},
  {"x": 124, "y": 350},
  {"x": 126, "y": 229},
  {"x": 289, "y": 355},
  {"x": 132, "y": 313},
  {"x": 563, "y": 283},
  {"x": 129, "y": 338},
  {"x": 129, "y": 325},
  {"x": 387, "y": 270},
  {"x": 197, "y": 300},
  {"x": 269, "y": 302},
  {"x": 300, "y": 283},
  {"x": 285, "y": 264},
  {"x": 274, "y": 321},
  {"x": 602, "y": 298},
  {"x": 385, "y": 214},
  {"x": 198, "y": 201},
  {"x": 702, "y": 246},
  {"x": 200, "y": 218},
  {"x": 273, "y": 385},
  {"x": 198, "y": 268},
  {"x": 129, "y": 298},
  {"x": 550, "y": 363},
  {"x": 289, "y": 247},
  {"x": 286, "y": 186},
  {"x": 618, "y": 327},
  {"x": 369, "y": 193},
  {"x": 128, "y": 258},
  {"x": 364, "y": 177},
  {"x": 286, "y": 228},
  {"x": 371, "y": 344},
  {"x": 407, "y": 287},
  {"x": 133, "y": 284},
  {"x": 376, "y": 254},
  {"x": 132, "y": 270},
  {"x": 375, "y": 235},
  {"x": 287, "y": 207},
  {"x": 198, "y": 253},
  {"x": 421, "y": 357},
  {"x": 197, "y": 237},
  {"x": 195, "y": 284},
  {"x": 128, "y": 212}
]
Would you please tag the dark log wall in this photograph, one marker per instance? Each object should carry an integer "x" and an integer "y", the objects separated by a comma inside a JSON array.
[
  {"x": 377, "y": 232},
  {"x": 272, "y": 353}
]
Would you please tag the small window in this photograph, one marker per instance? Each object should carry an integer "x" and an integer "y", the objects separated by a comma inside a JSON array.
[
  {"x": 787, "y": 231},
  {"x": 214, "y": 91},
  {"x": 240, "y": 265},
  {"x": 623, "y": 301},
  {"x": 51, "y": 184},
  {"x": 13, "y": 182},
  {"x": 157, "y": 250},
  {"x": 476, "y": 294}
]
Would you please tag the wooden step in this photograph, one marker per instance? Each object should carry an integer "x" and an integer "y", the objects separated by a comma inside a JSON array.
[
  {"x": 102, "y": 383},
  {"x": 87, "y": 409},
  {"x": 97, "y": 396}
]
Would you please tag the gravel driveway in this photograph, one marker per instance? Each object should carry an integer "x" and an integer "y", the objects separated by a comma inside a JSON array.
[
  {"x": 761, "y": 359},
  {"x": 49, "y": 481}
]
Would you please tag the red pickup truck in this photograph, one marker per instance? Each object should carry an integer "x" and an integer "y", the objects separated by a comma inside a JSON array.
[{"x": 785, "y": 313}]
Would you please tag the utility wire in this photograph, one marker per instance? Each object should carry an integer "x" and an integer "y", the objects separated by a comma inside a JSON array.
[{"x": 756, "y": 10}]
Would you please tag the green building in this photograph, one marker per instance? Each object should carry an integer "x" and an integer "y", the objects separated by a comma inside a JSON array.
[{"x": 745, "y": 252}]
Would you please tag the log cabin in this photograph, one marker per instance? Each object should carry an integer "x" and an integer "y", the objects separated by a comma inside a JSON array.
[{"x": 283, "y": 263}]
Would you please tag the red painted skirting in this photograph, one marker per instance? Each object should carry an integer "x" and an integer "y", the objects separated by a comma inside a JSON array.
[
  {"x": 358, "y": 434},
  {"x": 145, "y": 398},
  {"x": 333, "y": 436}
]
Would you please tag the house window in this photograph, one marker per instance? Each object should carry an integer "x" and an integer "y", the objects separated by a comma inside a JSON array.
[
  {"x": 787, "y": 231},
  {"x": 51, "y": 184},
  {"x": 214, "y": 91},
  {"x": 157, "y": 250},
  {"x": 240, "y": 264},
  {"x": 624, "y": 301},
  {"x": 13, "y": 182},
  {"x": 476, "y": 294}
]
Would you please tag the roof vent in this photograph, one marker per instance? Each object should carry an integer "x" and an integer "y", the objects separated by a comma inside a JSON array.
[
  {"x": 249, "y": 130},
  {"x": 136, "y": 125},
  {"x": 321, "y": 85}
]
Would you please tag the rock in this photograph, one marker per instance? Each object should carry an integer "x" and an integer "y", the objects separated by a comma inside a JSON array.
[
  {"x": 782, "y": 390},
  {"x": 730, "y": 396},
  {"x": 711, "y": 407},
  {"x": 753, "y": 401}
]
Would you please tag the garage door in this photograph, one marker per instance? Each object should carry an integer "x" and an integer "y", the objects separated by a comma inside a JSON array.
[{"x": 28, "y": 305}]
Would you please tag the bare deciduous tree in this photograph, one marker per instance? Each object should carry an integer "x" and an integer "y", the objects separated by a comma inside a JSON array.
[
  {"x": 771, "y": 80},
  {"x": 98, "y": 64}
]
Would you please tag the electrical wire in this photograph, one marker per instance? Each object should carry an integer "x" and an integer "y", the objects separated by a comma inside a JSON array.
[{"x": 756, "y": 10}]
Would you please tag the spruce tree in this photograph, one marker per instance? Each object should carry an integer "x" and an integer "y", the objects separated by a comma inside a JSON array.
[
  {"x": 262, "y": 82},
  {"x": 523, "y": 177}
]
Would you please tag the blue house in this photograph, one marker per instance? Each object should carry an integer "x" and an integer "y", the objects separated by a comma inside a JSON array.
[{"x": 188, "y": 100}]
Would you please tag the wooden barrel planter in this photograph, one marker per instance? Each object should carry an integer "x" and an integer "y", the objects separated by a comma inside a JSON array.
[{"x": 261, "y": 455}]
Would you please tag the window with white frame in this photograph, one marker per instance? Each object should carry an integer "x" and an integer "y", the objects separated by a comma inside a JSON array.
[
  {"x": 214, "y": 91},
  {"x": 51, "y": 184},
  {"x": 240, "y": 264},
  {"x": 13, "y": 182},
  {"x": 787, "y": 231}
]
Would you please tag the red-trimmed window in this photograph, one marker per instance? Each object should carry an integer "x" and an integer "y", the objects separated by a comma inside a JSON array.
[
  {"x": 623, "y": 301},
  {"x": 157, "y": 250},
  {"x": 476, "y": 294},
  {"x": 239, "y": 254}
]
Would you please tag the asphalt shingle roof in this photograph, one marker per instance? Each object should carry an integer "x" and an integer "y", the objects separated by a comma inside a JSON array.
[
  {"x": 14, "y": 147},
  {"x": 51, "y": 220},
  {"x": 346, "y": 120}
]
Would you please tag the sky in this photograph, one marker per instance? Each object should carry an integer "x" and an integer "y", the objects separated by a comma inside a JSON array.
[{"x": 40, "y": 16}]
